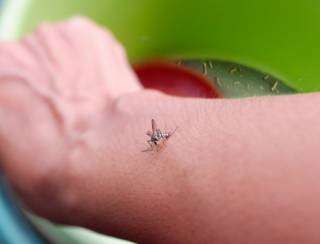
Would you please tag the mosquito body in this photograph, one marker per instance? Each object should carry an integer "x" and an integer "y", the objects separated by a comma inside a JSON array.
[{"x": 156, "y": 136}]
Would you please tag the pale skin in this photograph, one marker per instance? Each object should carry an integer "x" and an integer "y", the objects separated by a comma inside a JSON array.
[{"x": 71, "y": 136}]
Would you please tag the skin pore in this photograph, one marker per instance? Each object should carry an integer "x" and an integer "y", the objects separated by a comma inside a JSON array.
[{"x": 235, "y": 171}]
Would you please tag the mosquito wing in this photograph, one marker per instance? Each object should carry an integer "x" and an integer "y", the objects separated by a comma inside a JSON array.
[
  {"x": 154, "y": 126},
  {"x": 149, "y": 133}
]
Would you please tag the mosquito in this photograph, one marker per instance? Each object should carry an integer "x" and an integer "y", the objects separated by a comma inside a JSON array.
[{"x": 156, "y": 136}]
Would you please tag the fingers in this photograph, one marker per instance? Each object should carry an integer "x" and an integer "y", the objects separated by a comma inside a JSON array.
[
  {"x": 75, "y": 65},
  {"x": 111, "y": 58},
  {"x": 75, "y": 58},
  {"x": 100, "y": 60}
]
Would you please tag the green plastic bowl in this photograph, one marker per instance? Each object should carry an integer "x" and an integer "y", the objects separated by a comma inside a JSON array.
[{"x": 278, "y": 37}]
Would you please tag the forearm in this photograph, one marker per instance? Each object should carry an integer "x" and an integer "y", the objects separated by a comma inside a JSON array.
[{"x": 235, "y": 170}]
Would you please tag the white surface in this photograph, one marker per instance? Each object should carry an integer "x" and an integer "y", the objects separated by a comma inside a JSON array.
[
  {"x": 11, "y": 17},
  {"x": 85, "y": 236}
]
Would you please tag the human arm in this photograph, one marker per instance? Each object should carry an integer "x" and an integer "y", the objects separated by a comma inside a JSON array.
[{"x": 242, "y": 171}]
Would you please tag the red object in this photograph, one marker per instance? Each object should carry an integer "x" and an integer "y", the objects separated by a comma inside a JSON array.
[{"x": 175, "y": 80}]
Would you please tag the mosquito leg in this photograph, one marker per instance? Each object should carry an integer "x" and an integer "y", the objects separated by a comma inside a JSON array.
[
  {"x": 151, "y": 144},
  {"x": 165, "y": 128},
  {"x": 150, "y": 148},
  {"x": 172, "y": 132}
]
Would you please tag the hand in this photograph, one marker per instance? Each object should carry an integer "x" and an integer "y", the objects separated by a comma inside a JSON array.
[{"x": 57, "y": 89}]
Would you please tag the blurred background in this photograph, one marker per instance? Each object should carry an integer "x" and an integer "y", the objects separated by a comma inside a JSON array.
[{"x": 204, "y": 48}]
